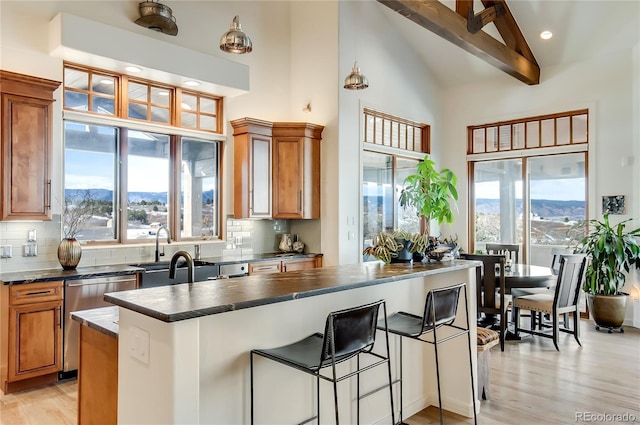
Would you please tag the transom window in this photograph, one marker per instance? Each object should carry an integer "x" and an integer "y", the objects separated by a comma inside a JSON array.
[
  {"x": 382, "y": 129},
  {"x": 103, "y": 92},
  {"x": 566, "y": 128}
]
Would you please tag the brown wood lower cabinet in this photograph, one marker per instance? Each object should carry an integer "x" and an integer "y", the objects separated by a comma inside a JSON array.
[
  {"x": 31, "y": 334},
  {"x": 290, "y": 265},
  {"x": 97, "y": 378}
]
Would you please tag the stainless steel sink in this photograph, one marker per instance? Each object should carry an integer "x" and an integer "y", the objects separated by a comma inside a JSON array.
[{"x": 157, "y": 274}]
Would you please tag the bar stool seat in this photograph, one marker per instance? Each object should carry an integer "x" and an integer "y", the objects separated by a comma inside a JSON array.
[
  {"x": 440, "y": 310},
  {"x": 348, "y": 333}
]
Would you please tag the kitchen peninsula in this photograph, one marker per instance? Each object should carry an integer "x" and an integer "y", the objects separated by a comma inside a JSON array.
[{"x": 183, "y": 349}]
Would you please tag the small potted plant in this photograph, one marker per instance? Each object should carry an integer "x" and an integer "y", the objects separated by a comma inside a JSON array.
[
  {"x": 398, "y": 246},
  {"x": 431, "y": 192},
  {"x": 612, "y": 251},
  {"x": 77, "y": 212}
]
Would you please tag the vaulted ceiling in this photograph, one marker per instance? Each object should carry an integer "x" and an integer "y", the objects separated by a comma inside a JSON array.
[{"x": 582, "y": 29}]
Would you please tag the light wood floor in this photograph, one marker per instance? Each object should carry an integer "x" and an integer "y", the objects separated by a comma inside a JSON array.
[{"x": 531, "y": 383}]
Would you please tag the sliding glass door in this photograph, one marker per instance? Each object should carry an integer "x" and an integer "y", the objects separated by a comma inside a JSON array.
[{"x": 530, "y": 201}]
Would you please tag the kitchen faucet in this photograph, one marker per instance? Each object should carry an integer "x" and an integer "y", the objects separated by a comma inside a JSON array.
[
  {"x": 158, "y": 242},
  {"x": 174, "y": 261}
]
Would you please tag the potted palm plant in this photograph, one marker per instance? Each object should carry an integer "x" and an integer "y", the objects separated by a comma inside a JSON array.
[
  {"x": 431, "y": 192},
  {"x": 612, "y": 251}
]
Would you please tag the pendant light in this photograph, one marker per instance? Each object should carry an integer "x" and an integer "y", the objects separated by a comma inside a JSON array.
[
  {"x": 356, "y": 80},
  {"x": 235, "y": 40}
]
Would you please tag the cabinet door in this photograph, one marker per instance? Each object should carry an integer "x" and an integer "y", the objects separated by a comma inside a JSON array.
[
  {"x": 252, "y": 179},
  {"x": 25, "y": 158},
  {"x": 287, "y": 177},
  {"x": 260, "y": 190},
  {"x": 34, "y": 340},
  {"x": 298, "y": 264}
]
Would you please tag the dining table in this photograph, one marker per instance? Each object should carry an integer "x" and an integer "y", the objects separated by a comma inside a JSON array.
[{"x": 518, "y": 276}]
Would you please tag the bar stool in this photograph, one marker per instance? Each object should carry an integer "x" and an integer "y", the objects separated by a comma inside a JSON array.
[
  {"x": 440, "y": 310},
  {"x": 348, "y": 333}
]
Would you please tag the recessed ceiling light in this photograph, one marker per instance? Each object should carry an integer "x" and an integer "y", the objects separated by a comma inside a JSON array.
[
  {"x": 191, "y": 83},
  {"x": 133, "y": 69},
  {"x": 545, "y": 35}
]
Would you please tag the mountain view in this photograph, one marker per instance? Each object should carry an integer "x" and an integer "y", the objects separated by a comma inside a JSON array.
[{"x": 541, "y": 208}]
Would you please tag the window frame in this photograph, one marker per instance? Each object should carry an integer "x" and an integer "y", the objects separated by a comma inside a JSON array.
[
  {"x": 525, "y": 154},
  {"x": 122, "y": 123}
]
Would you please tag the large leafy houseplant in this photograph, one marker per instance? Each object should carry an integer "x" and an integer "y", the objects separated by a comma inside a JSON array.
[
  {"x": 612, "y": 252},
  {"x": 430, "y": 192}
]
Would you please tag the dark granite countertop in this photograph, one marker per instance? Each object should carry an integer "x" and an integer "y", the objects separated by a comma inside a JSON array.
[
  {"x": 185, "y": 301},
  {"x": 103, "y": 319},
  {"x": 233, "y": 259},
  {"x": 31, "y": 276}
]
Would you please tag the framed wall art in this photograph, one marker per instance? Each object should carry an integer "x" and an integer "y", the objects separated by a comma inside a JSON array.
[{"x": 613, "y": 204}]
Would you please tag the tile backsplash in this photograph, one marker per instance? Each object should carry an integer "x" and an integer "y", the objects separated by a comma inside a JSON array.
[{"x": 242, "y": 237}]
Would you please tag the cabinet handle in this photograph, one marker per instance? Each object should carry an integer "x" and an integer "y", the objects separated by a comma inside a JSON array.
[
  {"x": 60, "y": 317},
  {"x": 299, "y": 200},
  {"x": 48, "y": 205},
  {"x": 38, "y": 292}
]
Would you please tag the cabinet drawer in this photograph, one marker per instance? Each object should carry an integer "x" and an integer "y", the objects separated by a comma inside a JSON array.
[
  {"x": 28, "y": 293},
  {"x": 298, "y": 264},
  {"x": 265, "y": 267}
]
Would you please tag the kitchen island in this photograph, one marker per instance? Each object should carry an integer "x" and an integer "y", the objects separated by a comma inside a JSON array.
[{"x": 183, "y": 353}]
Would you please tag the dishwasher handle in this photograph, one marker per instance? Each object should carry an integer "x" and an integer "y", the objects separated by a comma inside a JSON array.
[{"x": 99, "y": 281}]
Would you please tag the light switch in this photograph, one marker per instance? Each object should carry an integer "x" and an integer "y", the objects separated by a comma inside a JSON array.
[
  {"x": 30, "y": 250},
  {"x": 32, "y": 235},
  {"x": 5, "y": 251}
]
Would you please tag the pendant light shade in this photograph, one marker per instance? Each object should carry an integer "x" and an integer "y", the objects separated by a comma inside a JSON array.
[
  {"x": 235, "y": 40},
  {"x": 356, "y": 80}
]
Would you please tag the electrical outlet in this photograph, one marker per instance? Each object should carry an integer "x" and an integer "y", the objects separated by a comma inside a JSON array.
[
  {"x": 139, "y": 348},
  {"x": 30, "y": 250},
  {"x": 5, "y": 251}
]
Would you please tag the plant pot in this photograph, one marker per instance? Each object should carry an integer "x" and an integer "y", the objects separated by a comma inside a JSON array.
[
  {"x": 69, "y": 253},
  {"x": 608, "y": 311},
  {"x": 404, "y": 256}
]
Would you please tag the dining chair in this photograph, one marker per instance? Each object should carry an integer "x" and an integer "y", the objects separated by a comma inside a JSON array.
[
  {"x": 511, "y": 251},
  {"x": 555, "y": 266},
  {"x": 561, "y": 301},
  {"x": 487, "y": 279}
]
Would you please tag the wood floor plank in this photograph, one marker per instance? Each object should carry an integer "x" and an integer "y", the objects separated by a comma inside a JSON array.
[{"x": 531, "y": 383}]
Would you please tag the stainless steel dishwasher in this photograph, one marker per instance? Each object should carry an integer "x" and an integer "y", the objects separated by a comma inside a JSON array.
[{"x": 84, "y": 294}]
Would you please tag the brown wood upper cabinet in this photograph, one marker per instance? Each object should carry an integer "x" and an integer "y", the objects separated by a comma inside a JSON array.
[
  {"x": 296, "y": 170},
  {"x": 26, "y": 114},
  {"x": 276, "y": 169}
]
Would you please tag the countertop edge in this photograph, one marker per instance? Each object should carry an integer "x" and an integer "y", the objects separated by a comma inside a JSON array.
[{"x": 120, "y": 298}]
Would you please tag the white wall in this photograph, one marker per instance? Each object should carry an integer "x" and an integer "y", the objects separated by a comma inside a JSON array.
[
  {"x": 607, "y": 85},
  {"x": 399, "y": 84}
]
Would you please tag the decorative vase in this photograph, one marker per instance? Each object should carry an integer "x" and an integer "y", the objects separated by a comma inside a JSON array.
[
  {"x": 69, "y": 253},
  {"x": 608, "y": 311}
]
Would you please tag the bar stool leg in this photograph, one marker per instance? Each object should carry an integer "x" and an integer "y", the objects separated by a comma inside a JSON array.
[
  {"x": 435, "y": 348},
  {"x": 473, "y": 389},
  {"x": 251, "y": 383},
  {"x": 358, "y": 390},
  {"x": 401, "y": 383}
]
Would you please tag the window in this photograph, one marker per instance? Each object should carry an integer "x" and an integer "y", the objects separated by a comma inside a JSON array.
[
  {"x": 393, "y": 146},
  {"x": 566, "y": 128},
  {"x": 533, "y": 199},
  {"x": 106, "y": 93},
  {"x": 131, "y": 178},
  {"x": 382, "y": 129}
]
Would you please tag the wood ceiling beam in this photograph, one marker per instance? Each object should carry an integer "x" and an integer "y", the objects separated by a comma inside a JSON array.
[{"x": 512, "y": 57}]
